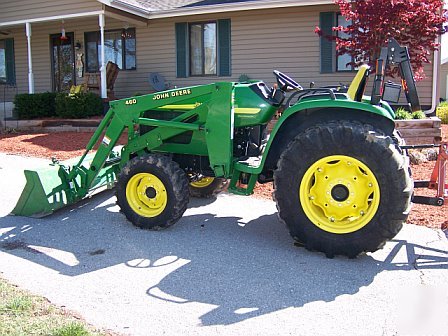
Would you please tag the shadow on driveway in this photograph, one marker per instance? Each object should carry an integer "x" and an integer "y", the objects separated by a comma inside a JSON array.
[{"x": 245, "y": 269}]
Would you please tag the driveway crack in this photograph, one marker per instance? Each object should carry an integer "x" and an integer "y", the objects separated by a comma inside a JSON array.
[{"x": 421, "y": 273}]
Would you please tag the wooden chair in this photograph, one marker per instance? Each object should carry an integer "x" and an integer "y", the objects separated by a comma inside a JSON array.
[
  {"x": 92, "y": 80},
  {"x": 112, "y": 70}
]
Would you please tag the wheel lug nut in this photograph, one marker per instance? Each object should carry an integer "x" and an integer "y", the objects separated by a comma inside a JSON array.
[
  {"x": 319, "y": 170},
  {"x": 362, "y": 213},
  {"x": 331, "y": 219}
]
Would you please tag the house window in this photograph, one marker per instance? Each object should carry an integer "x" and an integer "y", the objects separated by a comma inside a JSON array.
[
  {"x": 119, "y": 48},
  {"x": 7, "y": 66},
  {"x": 329, "y": 60},
  {"x": 2, "y": 61},
  {"x": 342, "y": 60},
  {"x": 203, "y": 50}
]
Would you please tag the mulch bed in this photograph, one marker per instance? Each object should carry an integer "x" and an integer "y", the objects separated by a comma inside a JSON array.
[{"x": 67, "y": 145}]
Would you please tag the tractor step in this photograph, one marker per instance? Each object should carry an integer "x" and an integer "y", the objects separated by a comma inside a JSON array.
[
  {"x": 245, "y": 176},
  {"x": 249, "y": 164}
]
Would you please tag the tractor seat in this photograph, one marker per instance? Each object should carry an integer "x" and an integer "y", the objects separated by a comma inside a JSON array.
[
  {"x": 354, "y": 92},
  {"x": 358, "y": 84}
]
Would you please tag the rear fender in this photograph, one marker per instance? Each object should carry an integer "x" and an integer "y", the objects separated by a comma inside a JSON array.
[{"x": 299, "y": 117}]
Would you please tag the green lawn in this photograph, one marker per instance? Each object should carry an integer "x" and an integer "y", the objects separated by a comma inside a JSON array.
[{"x": 24, "y": 314}]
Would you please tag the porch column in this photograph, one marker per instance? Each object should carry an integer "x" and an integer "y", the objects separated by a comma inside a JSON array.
[
  {"x": 103, "y": 66},
  {"x": 30, "y": 60}
]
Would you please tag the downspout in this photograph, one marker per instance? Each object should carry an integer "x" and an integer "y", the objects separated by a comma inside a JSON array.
[
  {"x": 435, "y": 78},
  {"x": 30, "y": 60},
  {"x": 435, "y": 81}
]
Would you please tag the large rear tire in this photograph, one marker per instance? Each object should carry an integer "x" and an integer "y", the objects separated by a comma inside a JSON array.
[
  {"x": 343, "y": 188},
  {"x": 152, "y": 192}
]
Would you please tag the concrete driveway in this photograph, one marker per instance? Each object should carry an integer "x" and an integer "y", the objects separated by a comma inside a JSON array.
[{"x": 227, "y": 267}]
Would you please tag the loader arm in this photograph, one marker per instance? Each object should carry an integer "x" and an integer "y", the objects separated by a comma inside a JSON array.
[
  {"x": 61, "y": 184},
  {"x": 126, "y": 113}
]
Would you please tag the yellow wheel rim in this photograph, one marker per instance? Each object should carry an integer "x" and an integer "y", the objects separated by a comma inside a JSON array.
[
  {"x": 339, "y": 194},
  {"x": 203, "y": 182},
  {"x": 146, "y": 195}
]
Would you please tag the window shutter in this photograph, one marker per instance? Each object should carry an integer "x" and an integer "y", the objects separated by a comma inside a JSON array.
[
  {"x": 327, "y": 48},
  {"x": 181, "y": 49},
  {"x": 224, "y": 52},
  {"x": 10, "y": 64}
]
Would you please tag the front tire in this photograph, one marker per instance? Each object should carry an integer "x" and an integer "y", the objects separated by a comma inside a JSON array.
[
  {"x": 343, "y": 188},
  {"x": 152, "y": 192}
]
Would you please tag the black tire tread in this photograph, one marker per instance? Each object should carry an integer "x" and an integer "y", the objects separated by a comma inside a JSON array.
[
  {"x": 390, "y": 216},
  {"x": 175, "y": 178}
]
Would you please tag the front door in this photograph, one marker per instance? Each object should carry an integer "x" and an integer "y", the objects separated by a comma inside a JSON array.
[{"x": 62, "y": 62}]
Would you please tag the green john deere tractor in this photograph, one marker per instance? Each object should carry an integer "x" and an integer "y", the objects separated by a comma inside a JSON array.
[{"x": 342, "y": 183}]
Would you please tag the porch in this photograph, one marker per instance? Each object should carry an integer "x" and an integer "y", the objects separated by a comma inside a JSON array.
[{"x": 55, "y": 52}]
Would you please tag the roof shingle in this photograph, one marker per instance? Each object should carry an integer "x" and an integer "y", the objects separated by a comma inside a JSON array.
[{"x": 159, "y": 5}]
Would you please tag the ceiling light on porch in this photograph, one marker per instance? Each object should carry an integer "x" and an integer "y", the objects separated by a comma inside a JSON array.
[
  {"x": 125, "y": 32},
  {"x": 63, "y": 36}
]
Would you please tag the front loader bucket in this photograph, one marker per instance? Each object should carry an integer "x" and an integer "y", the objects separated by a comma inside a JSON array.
[{"x": 47, "y": 189}]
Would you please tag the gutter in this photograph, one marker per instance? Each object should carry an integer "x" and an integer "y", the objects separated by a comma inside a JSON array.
[
  {"x": 51, "y": 18},
  {"x": 235, "y": 7},
  {"x": 209, "y": 9}
]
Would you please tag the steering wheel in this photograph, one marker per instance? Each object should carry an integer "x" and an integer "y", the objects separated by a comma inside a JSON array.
[{"x": 286, "y": 83}]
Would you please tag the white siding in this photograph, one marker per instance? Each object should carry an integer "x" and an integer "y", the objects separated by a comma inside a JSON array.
[
  {"x": 262, "y": 40},
  {"x": 13, "y": 10}
]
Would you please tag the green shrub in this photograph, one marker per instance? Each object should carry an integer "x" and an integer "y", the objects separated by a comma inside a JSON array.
[
  {"x": 80, "y": 105},
  {"x": 402, "y": 114},
  {"x": 36, "y": 105},
  {"x": 418, "y": 115},
  {"x": 442, "y": 112}
]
